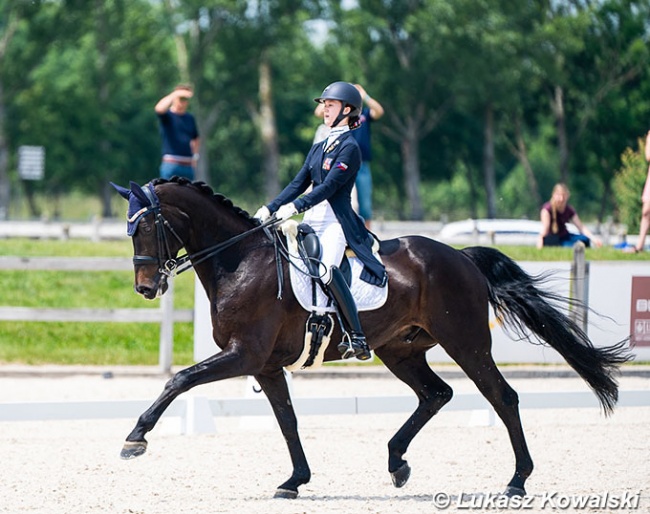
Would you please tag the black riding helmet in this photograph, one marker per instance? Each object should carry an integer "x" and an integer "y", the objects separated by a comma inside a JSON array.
[{"x": 348, "y": 95}]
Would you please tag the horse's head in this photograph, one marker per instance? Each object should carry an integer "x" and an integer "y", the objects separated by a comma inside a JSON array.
[{"x": 155, "y": 241}]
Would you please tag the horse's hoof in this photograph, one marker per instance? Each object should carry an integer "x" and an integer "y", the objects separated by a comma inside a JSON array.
[
  {"x": 133, "y": 449},
  {"x": 401, "y": 475},
  {"x": 285, "y": 493},
  {"x": 511, "y": 492}
]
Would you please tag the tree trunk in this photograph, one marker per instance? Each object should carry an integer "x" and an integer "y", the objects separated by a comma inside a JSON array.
[
  {"x": 473, "y": 192},
  {"x": 488, "y": 161},
  {"x": 104, "y": 146},
  {"x": 34, "y": 211},
  {"x": 268, "y": 130},
  {"x": 557, "y": 106},
  {"x": 411, "y": 169},
  {"x": 522, "y": 155},
  {"x": 9, "y": 25},
  {"x": 4, "y": 162}
]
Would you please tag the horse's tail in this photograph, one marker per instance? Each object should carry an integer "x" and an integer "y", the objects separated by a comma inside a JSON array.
[{"x": 516, "y": 297}]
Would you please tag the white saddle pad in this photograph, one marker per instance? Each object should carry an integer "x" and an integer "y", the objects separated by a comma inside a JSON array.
[{"x": 367, "y": 296}]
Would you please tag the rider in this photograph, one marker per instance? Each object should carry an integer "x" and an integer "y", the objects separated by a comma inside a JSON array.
[{"x": 331, "y": 168}]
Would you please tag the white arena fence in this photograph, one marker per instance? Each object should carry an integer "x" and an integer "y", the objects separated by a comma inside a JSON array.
[
  {"x": 165, "y": 314},
  {"x": 197, "y": 413}
]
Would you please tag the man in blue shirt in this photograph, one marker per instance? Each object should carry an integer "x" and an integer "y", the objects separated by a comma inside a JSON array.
[
  {"x": 372, "y": 110},
  {"x": 180, "y": 136}
]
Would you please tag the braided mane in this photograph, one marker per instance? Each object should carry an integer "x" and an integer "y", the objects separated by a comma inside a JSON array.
[{"x": 207, "y": 190}]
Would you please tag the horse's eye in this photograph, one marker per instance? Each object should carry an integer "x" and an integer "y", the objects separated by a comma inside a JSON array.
[{"x": 146, "y": 227}]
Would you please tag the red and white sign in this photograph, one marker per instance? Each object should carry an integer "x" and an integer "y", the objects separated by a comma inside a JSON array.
[{"x": 640, "y": 311}]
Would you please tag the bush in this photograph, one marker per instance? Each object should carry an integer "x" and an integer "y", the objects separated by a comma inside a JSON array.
[{"x": 628, "y": 186}]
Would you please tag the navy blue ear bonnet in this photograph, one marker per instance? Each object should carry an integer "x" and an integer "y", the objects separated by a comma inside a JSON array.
[{"x": 142, "y": 200}]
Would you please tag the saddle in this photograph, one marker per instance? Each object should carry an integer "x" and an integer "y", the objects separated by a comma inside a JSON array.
[
  {"x": 310, "y": 251},
  {"x": 305, "y": 271}
]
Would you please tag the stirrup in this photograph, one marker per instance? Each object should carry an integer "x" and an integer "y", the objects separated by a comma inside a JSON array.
[{"x": 350, "y": 347}]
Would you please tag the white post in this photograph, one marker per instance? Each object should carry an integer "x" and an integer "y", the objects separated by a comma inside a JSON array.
[
  {"x": 204, "y": 345},
  {"x": 580, "y": 285},
  {"x": 167, "y": 328},
  {"x": 198, "y": 416}
]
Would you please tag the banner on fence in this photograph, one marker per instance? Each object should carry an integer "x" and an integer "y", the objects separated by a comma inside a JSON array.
[{"x": 640, "y": 311}]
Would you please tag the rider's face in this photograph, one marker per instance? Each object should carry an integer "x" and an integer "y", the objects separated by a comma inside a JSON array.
[{"x": 331, "y": 109}]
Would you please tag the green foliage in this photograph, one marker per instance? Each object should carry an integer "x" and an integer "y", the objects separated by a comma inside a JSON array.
[
  {"x": 444, "y": 199},
  {"x": 81, "y": 79},
  {"x": 628, "y": 186}
]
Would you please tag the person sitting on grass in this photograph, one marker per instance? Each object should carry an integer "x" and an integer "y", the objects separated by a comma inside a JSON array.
[{"x": 555, "y": 215}]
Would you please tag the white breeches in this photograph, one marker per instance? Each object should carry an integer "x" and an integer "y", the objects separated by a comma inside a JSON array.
[
  {"x": 333, "y": 243},
  {"x": 322, "y": 219}
]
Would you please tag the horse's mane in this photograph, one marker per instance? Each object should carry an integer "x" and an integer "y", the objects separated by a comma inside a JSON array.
[{"x": 208, "y": 191}]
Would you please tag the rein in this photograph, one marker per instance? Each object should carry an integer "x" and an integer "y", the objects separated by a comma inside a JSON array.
[
  {"x": 169, "y": 266},
  {"x": 211, "y": 251}
]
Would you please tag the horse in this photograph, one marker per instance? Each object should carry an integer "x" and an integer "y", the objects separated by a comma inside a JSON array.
[{"x": 437, "y": 295}]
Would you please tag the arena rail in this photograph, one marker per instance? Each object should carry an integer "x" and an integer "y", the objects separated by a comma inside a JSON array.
[
  {"x": 165, "y": 314},
  {"x": 197, "y": 413}
]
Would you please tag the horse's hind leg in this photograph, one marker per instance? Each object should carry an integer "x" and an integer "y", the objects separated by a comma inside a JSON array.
[
  {"x": 432, "y": 392},
  {"x": 275, "y": 387},
  {"x": 505, "y": 401}
]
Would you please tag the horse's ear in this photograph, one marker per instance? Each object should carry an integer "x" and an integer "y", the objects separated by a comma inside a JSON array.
[
  {"x": 124, "y": 192},
  {"x": 137, "y": 191}
]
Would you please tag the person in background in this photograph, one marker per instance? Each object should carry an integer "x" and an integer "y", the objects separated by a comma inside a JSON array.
[
  {"x": 372, "y": 111},
  {"x": 330, "y": 168},
  {"x": 555, "y": 215},
  {"x": 645, "y": 198},
  {"x": 362, "y": 192},
  {"x": 180, "y": 136}
]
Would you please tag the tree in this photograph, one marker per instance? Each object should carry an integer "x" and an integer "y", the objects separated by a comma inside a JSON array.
[
  {"x": 402, "y": 48},
  {"x": 90, "y": 97},
  {"x": 12, "y": 15}
]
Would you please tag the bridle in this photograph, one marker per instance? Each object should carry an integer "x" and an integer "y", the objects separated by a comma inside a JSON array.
[
  {"x": 170, "y": 266},
  {"x": 167, "y": 265}
]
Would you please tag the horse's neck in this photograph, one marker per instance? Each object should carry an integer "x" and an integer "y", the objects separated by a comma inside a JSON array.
[
  {"x": 214, "y": 225},
  {"x": 215, "y": 229},
  {"x": 222, "y": 276}
]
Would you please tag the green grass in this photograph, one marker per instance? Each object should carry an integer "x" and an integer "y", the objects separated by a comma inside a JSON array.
[
  {"x": 530, "y": 253},
  {"x": 126, "y": 343},
  {"x": 84, "y": 343}
]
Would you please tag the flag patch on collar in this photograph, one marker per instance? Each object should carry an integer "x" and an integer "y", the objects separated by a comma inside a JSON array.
[{"x": 342, "y": 166}]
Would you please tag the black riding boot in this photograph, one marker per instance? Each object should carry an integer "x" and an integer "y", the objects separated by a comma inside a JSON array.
[{"x": 356, "y": 346}]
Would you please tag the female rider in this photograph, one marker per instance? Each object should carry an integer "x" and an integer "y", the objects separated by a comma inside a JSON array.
[{"x": 331, "y": 168}]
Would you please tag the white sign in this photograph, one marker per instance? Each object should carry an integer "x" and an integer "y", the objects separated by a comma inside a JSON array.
[{"x": 31, "y": 162}]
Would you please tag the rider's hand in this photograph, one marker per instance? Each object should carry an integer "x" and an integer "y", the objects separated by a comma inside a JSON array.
[
  {"x": 263, "y": 214},
  {"x": 286, "y": 211}
]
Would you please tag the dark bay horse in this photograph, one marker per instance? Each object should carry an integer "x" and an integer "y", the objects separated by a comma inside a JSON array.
[{"x": 437, "y": 295}]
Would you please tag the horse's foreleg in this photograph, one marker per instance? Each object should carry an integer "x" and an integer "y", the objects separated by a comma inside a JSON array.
[
  {"x": 432, "y": 394},
  {"x": 225, "y": 364},
  {"x": 275, "y": 387}
]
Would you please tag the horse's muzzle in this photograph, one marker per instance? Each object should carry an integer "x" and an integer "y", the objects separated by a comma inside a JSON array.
[{"x": 151, "y": 288}]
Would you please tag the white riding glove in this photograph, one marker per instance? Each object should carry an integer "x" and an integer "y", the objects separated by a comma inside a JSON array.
[
  {"x": 262, "y": 214},
  {"x": 286, "y": 211}
]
